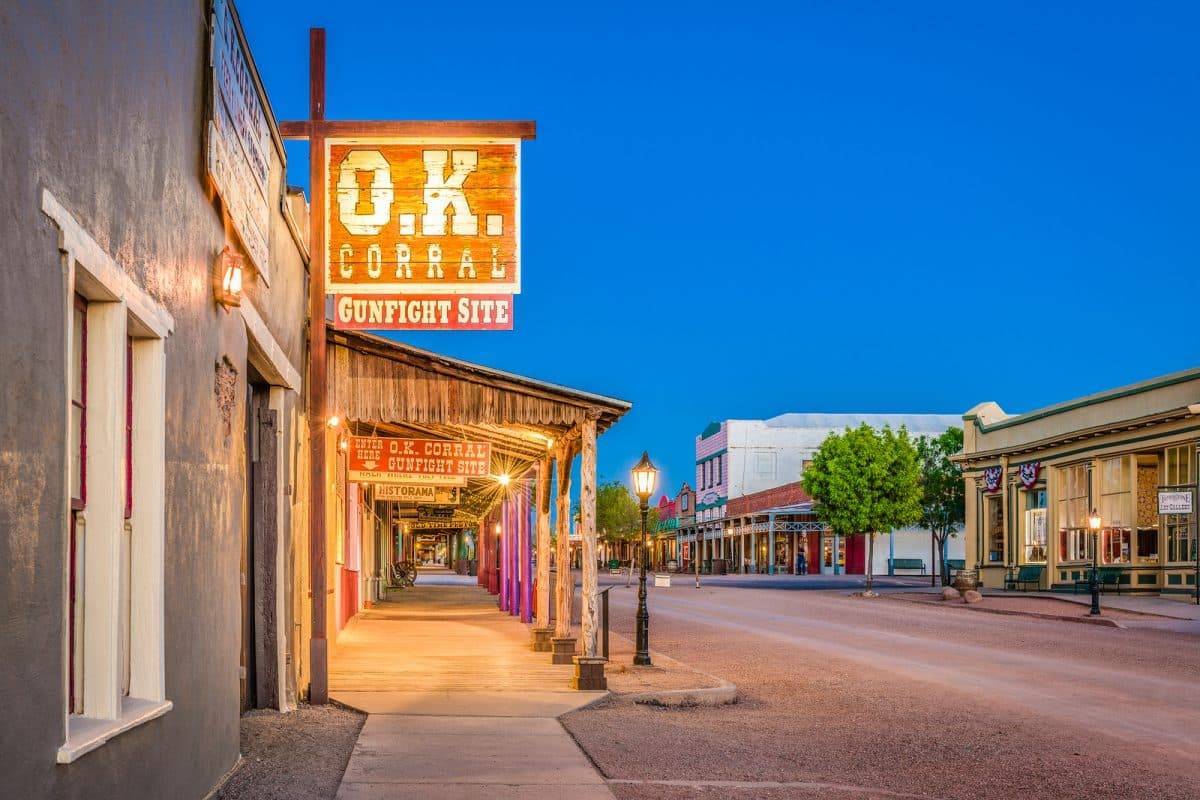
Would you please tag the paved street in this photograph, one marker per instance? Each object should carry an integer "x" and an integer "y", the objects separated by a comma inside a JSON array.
[{"x": 843, "y": 697}]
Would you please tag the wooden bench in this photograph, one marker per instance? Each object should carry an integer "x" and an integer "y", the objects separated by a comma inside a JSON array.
[
  {"x": 906, "y": 563},
  {"x": 1104, "y": 577},
  {"x": 1026, "y": 575}
]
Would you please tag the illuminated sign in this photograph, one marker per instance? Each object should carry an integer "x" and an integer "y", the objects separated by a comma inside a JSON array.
[
  {"x": 418, "y": 493},
  {"x": 423, "y": 216},
  {"x": 421, "y": 312},
  {"x": 437, "y": 462}
]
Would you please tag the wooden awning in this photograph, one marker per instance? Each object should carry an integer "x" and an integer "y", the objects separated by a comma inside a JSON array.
[{"x": 387, "y": 388}]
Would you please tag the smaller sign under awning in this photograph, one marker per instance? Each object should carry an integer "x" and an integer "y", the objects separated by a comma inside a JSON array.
[
  {"x": 418, "y": 493},
  {"x": 438, "y": 462}
]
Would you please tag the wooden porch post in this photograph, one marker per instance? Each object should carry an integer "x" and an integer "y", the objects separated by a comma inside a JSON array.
[
  {"x": 541, "y": 629},
  {"x": 589, "y": 669},
  {"x": 563, "y": 643},
  {"x": 318, "y": 483}
]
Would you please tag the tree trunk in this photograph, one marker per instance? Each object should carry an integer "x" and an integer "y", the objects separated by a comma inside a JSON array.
[
  {"x": 933, "y": 558},
  {"x": 870, "y": 563}
]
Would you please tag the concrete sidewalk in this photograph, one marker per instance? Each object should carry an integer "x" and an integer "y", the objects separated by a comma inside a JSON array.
[
  {"x": 1173, "y": 607},
  {"x": 459, "y": 706}
]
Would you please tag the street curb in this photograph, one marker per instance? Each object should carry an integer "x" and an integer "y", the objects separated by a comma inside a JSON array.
[
  {"x": 723, "y": 694},
  {"x": 1106, "y": 622}
]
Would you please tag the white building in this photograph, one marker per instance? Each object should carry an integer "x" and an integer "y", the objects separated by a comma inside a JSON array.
[{"x": 737, "y": 458}]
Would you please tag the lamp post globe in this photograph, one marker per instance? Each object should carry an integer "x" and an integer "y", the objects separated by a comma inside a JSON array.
[
  {"x": 1094, "y": 523},
  {"x": 644, "y": 477}
]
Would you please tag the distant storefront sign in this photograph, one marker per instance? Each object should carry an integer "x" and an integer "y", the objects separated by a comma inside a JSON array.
[
  {"x": 418, "y": 493},
  {"x": 239, "y": 137},
  {"x": 424, "y": 312},
  {"x": 423, "y": 216},
  {"x": 438, "y": 462},
  {"x": 1175, "y": 502}
]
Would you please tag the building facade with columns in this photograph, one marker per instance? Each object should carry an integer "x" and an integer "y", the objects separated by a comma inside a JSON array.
[{"x": 1129, "y": 454}]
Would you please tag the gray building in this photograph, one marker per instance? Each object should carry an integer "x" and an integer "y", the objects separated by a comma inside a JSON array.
[{"x": 151, "y": 435}]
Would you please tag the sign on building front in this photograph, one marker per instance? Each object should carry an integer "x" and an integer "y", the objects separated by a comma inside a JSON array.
[
  {"x": 1175, "y": 502},
  {"x": 239, "y": 137},
  {"x": 418, "y": 312},
  {"x": 418, "y": 493},
  {"x": 374, "y": 459},
  {"x": 435, "y": 218}
]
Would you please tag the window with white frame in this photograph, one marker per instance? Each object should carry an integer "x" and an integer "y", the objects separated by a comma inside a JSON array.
[
  {"x": 1034, "y": 524},
  {"x": 1116, "y": 510},
  {"x": 1075, "y": 541},
  {"x": 1181, "y": 538},
  {"x": 114, "y": 516}
]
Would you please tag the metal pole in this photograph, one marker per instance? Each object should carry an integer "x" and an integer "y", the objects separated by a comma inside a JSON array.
[
  {"x": 1093, "y": 581},
  {"x": 642, "y": 657},
  {"x": 1196, "y": 531},
  {"x": 696, "y": 553}
]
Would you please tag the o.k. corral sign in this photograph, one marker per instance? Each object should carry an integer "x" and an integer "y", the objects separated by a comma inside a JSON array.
[
  {"x": 435, "y": 218},
  {"x": 438, "y": 462}
]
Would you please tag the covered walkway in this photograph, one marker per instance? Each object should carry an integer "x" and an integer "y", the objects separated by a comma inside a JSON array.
[{"x": 459, "y": 705}]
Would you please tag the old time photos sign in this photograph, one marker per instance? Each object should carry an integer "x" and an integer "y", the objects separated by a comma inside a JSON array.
[
  {"x": 438, "y": 219},
  {"x": 437, "y": 462}
]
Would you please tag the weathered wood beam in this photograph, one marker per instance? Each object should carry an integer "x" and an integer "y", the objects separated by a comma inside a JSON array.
[
  {"x": 565, "y": 588},
  {"x": 587, "y": 526},
  {"x": 542, "y": 499},
  {"x": 349, "y": 128}
]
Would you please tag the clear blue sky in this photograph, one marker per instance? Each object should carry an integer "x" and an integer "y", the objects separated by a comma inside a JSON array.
[{"x": 736, "y": 210}]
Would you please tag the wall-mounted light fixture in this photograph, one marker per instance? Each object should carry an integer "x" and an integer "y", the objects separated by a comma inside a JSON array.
[{"x": 227, "y": 278}]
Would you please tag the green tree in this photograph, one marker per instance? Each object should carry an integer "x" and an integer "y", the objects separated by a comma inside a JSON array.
[
  {"x": 864, "y": 482},
  {"x": 943, "y": 495},
  {"x": 618, "y": 519}
]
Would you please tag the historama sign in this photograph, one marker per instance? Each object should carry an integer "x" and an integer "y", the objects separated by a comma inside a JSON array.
[{"x": 434, "y": 218}]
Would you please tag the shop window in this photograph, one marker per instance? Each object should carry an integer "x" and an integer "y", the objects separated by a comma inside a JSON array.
[
  {"x": 116, "y": 408},
  {"x": 994, "y": 528},
  {"x": 1147, "y": 544},
  {"x": 1035, "y": 535},
  {"x": 1075, "y": 541},
  {"x": 1181, "y": 537},
  {"x": 1115, "y": 547},
  {"x": 683, "y": 502}
]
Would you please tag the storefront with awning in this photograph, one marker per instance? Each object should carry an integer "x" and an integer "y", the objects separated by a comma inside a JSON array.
[{"x": 422, "y": 445}]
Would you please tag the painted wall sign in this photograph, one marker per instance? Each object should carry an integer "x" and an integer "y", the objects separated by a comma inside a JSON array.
[
  {"x": 423, "y": 216},
  {"x": 418, "y": 493},
  {"x": 239, "y": 137},
  {"x": 423, "y": 312},
  {"x": 1170, "y": 502},
  {"x": 435, "y": 512},
  {"x": 438, "y": 462}
]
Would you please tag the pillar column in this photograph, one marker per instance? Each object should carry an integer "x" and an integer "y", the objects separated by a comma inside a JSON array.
[
  {"x": 589, "y": 668},
  {"x": 753, "y": 549},
  {"x": 771, "y": 544},
  {"x": 526, "y": 552},
  {"x": 563, "y": 643},
  {"x": 541, "y": 501}
]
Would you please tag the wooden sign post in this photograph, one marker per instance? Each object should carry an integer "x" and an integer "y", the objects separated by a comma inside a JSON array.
[{"x": 318, "y": 131}]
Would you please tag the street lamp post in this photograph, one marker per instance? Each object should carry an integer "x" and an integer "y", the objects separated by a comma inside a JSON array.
[
  {"x": 644, "y": 475},
  {"x": 1094, "y": 580}
]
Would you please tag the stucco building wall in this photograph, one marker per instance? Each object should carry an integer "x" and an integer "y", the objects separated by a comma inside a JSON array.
[{"x": 103, "y": 105}]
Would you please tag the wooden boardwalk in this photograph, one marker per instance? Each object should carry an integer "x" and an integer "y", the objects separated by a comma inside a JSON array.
[
  {"x": 459, "y": 707},
  {"x": 440, "y": 638}
]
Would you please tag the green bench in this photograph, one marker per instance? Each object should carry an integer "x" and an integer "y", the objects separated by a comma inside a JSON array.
[
  {"x": 1105, "y": 577},
  {"x": 1026, "y": 575},
  {"x": 953, "y": 564},
  {"x": 906, "y": 563}
]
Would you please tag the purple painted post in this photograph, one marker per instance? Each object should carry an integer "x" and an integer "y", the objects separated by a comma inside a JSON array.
[
  {"x": 504, "y": 571},
  {"x": 513, "y": 597},
  {"x": 526, "y": 558}
]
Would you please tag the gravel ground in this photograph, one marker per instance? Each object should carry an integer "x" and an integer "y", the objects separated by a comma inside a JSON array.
[
  {"x": 663, "y": 673},
  {"x": 843, "y": 697},
  {"x": 300, "y": 755}
]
